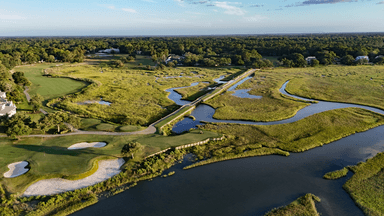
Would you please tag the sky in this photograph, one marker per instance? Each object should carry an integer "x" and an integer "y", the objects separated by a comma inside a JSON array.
[{"x": 187, "y": 17}]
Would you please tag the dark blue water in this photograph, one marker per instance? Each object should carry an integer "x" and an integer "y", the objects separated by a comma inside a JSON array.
[{"x": 249, "y": 186}]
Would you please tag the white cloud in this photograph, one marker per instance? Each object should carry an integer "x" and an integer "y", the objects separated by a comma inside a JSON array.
[
  {"x": 151, "y": 1},
  {"x": 229, "y": 9},
  {"x": 382, "y": 2},
  {"x": 11, "y": 17},
  {"x": 254, "y": 18},
  {"x": 130, "y": 10}
]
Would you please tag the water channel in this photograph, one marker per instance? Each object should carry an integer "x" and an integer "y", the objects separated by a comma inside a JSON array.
[{"x": 252, "y": 186}]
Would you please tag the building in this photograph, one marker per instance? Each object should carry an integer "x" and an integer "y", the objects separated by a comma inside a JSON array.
[
  {"x": 6, "y": 107},
  {"x": 110, "y": 50},
  {"x": 309, "y": 59},
  {"x": 361, "y": 57},
  {"x": 173, "y": 57},
  {"x": 138, "y": 52}
]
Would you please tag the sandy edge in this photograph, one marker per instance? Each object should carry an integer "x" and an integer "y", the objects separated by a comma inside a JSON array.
[
  {"x": 107, "y": 169},
  {"x": 84, "y": 145},
  {"x": 16, "y": 169}
]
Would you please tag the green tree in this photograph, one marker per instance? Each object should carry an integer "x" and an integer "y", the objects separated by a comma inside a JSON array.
[
  {"x": 315, "y": 62},
  {"x": 287, "y": 63},
  {"x": 347, "y": 60},
  {"x": 131, "y": 149},
  {"x": 18, "y": 125},
  {"x": 36, "y": 102}
]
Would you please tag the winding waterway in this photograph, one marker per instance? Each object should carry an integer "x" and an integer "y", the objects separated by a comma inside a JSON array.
[{"x": 251, "y": 186}]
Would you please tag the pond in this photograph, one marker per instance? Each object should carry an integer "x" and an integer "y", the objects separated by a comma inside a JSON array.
[{"x": 101, "y": 101}]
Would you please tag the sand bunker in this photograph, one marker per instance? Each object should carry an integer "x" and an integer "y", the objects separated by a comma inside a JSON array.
[
  {"x": 107, "y": 169},
  {"x": 16, "y": 169},
  {"x": 84, "y": 145}
]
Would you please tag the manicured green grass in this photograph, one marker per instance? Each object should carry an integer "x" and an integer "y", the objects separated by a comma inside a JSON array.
[
  {"x": 47, "y": 87},
  {"x": 357, "y": 84},
  {"x": 366, "y": 186},
  {"x": 304, "y": 205},
  {"x": 273, "y": 59},
  {"x": 337, "y": 174},
  {"x": 49, "y": 157},
  {"x": 138, "y": 96}
]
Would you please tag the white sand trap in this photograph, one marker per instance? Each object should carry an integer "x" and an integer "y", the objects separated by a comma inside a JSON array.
[
  {"x": 84, "y": 145},
  {"x": 16, "y": 169},
  {"x": 107, "y": 169}
]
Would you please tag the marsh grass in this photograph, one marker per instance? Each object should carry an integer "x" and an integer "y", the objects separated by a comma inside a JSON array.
[
  {"x": 366, "y": 186},
  {"x": 304, "y": 205},
  {"x": 357, "y": 84},
  {"x": 305, "y": 134},
  {"x": 271, "y": 107},
  {"x": 337, "y": 174},
  {"x": 194, "y": 92},
  {"x": 138, "y": 96}
]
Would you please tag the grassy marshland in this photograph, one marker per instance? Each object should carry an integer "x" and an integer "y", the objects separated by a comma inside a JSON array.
[
  {"x": 305, "y": 134},
  {"x": 271, "y": 107},
  {"x": 193, "y": 92},
  {"x": 360, "y": 85},
  {"x": 337, "y": 174},
  {"x": 366, "y": 186},
  {"x": 138, "y": 96},
  {"x": 304, "y": 205}
]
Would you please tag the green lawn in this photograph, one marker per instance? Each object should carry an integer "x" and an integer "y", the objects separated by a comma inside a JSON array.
[
  {"x": 49, "y": 157},
  {"x": 47, "y": 87},
  {"x": 98, "y": 125}
]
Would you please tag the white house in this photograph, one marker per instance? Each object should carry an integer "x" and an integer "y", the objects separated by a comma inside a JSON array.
[
  {"x": 6, "y": 107},
  {"x": 109, "y": 50},
  {"x": 3, "y": 95},
  {"x": 310, "y": 58},
  {"x": 361, "y": 57}
]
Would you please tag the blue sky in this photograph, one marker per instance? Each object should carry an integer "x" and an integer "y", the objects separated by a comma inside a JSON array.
[{"x": 187, "y": 17}]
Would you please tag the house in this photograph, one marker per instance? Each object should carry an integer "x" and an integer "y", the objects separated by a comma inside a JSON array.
[
  {"x": 309, "y": 59},
  {"x": 379, "y": 56},
  {"x": 110, "y": 50},
  {"x": 361, "y": 57},
  {"x": 6, "y": 107},
  {"x": 3, "y": 95},
  {"x": 138, "y": 52},
  {"x": 173, "y": 57}
]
